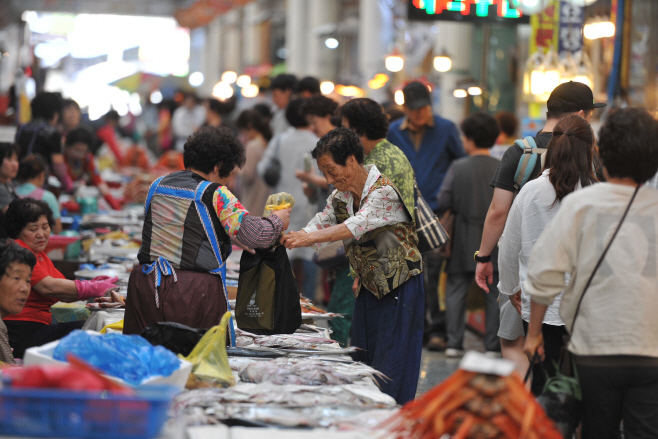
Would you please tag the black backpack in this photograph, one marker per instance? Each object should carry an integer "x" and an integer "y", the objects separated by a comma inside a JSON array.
[{"x": 268, "y": 297}]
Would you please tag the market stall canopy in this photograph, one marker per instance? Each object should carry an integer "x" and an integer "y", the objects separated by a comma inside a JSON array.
[
  {"x": 202, "y": 12},
  {"x": 141, "y": 7},
  {"x": 141, "y": 82}
]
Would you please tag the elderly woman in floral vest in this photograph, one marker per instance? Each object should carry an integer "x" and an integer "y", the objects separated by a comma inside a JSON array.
[{"x": 366, "y": 211}]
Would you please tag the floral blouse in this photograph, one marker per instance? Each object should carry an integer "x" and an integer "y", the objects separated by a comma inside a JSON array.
[
  {"x": 381, "y": 208},
  {"x": 229, "y": 210},
  {"x": 253, "y": 231}
]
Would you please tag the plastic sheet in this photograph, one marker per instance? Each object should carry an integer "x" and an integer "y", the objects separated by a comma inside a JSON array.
[{"x": 129, "y": 357}]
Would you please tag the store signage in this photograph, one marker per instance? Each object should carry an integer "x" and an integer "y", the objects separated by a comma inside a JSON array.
[
  {"x": 544, "y": 34},
  {"x": 572, "y": 20},
  {"x": 497, "y": 11}
]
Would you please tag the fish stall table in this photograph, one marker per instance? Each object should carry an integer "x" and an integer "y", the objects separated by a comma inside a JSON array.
[
  {"x": 298, "y": 384},
  {"x": 310, "y": 384}
]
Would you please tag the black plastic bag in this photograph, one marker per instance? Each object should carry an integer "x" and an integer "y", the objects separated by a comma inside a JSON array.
[
  {"x": 179, "y": 339},
  {"x": 268, "y": 297},
  {"x": 561, "y": 397},
  {"x": 563, "y": 409}
]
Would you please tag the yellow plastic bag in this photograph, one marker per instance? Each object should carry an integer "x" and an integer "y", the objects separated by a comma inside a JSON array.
[
  {"x": 116, "y": 326},
  {"x": 210, "y": 360},
  {"x": 278, "y": 201}
]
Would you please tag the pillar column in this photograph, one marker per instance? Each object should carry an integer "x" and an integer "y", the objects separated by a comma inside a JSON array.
[
  {"x": 375, "y": 36},
  {"x": 251, "y": 34},
  {"x": 233, "y": 45},
  {"x": 212, "y": 61},
  {"x": 321, "y": 60},
  {"x": 457, "y": 39},
  {"x": 297, "y": 36}
]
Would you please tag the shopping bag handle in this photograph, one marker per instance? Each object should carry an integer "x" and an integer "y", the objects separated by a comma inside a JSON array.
[{"x": 536, "y": 359}]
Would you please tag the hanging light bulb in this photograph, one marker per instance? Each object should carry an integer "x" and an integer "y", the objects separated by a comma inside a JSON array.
[
  {"x": 553, "y": 72},
  {"x": 229, "y": 77},
  {"x": 250, "y": 91},
  {"x": 442, "y": 63},
  {"x": 460, "y": 93},
  {"x": 474, "y": 90},
  {"x": 599, "y": 29},
  {"x": 398, "y": 97},
  {"x": 580, "y": 3},
  {"x": 533, "y": 77},
  {"x": 530, "y": 7},
  {"x": 222, "y": 90},
  {"x": 326, "y": 87},
  {"x": 394, "y": 62},
  {"x": 243, "y": 81}
]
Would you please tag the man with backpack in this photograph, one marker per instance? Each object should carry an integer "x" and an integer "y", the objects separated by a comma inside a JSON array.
[{"x": 521, "y": 163}]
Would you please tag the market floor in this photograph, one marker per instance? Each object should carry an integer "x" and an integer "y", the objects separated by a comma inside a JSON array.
[{"x": 436, "y": 367}]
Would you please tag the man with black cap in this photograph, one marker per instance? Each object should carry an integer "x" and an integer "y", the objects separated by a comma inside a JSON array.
[
  {"x": 431, "y": 143},
  {"x": 568, "y": 98}
]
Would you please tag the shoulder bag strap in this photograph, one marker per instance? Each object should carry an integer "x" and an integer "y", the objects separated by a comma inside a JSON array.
[
  {"x": 277, "y": 146},
  {"x": 598, "y": 264}
]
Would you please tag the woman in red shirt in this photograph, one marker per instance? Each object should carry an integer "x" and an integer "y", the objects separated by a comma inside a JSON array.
[{"x": 28, "y": 221}]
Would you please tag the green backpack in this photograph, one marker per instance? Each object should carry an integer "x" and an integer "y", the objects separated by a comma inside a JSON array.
[{"x": 527, "y": 161}]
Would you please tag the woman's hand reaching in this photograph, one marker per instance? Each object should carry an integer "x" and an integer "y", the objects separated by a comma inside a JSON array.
[{"x": 297, "y": 239}]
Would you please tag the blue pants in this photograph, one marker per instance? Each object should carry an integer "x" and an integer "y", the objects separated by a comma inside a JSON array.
[{"x": 390, "y": 333}]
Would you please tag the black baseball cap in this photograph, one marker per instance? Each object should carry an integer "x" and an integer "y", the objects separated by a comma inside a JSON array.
[
  {"x": 416, "y": 95},
  {"x": 570, "y": 97}
]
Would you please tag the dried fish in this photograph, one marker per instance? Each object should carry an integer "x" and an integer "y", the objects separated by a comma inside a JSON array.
[
  {"x": 304, "y": 371},
  {"x": 356, "y": 395}
]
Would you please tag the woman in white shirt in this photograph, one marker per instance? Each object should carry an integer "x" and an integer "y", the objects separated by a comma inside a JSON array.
[
  {"x": 568, "y": 168},
  {"x": 615, "y": 337},
  {"x": 367, "y": 212}
]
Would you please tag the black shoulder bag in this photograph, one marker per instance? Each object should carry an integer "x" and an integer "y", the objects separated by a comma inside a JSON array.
[
  {"x": 273, "y": 172},
  {"x": 561, "y": 397}
]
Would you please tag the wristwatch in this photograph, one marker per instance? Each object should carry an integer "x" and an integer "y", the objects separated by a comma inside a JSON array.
[{"x": 483, "y": 259}]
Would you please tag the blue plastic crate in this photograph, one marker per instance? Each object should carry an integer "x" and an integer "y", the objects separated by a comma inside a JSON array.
[{"x": 91, "y": 415}]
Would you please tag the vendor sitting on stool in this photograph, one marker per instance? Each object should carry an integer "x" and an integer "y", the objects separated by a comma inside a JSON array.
[
  {"x": 28, "y": 221},
  {"x": 190, "y": 220},
  {"x": 16, "y": 264}
]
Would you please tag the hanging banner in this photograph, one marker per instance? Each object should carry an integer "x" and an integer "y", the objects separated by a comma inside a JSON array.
[
  {"x": 203, "y": 12},
  {"x": 572, "y": 20},
  {"x": 545, "y": 28}
]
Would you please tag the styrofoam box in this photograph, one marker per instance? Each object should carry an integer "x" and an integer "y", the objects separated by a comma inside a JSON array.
[{"x": 44, "y": 355}]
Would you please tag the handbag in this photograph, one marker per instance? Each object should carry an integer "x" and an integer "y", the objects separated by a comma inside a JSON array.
[
  {"x": 331, "y": 256},
  {"x": 273, "y": 172},
  {"x": 561, "y": 397},
  {"x": 431, "y": 234},
  {"x": 268, "y": 298},
  {"x": 447, "y": 220}
]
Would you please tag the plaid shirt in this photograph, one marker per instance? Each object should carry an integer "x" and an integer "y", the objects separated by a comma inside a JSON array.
[{"x": 259, "y": 232}]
